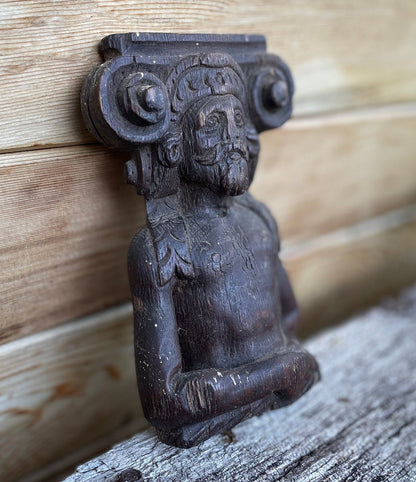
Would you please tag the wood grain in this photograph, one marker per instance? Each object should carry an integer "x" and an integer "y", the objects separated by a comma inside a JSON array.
[
  {"x": 78, "y": 379},
  {"x": 358, "y": 423},
  {"x": 320, "y": 174},
  {"x": 350, "y": 269},
  {"x": 342, "y": 55},
  {"x": 67, "y": 217},
  {"x": 65, "y": 388}
]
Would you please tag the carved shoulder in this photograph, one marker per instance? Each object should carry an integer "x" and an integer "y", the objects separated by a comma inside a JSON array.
[{"x": 248, "y": 201}]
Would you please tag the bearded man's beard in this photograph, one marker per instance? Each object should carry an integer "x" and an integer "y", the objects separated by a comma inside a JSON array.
[
  {"x": 225, "y": 168},
  {"x": 234, "y": 175}
]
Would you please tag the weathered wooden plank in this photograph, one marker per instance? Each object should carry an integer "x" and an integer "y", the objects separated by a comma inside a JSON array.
[
  {"x": 67, "y": 217},
  {"x": 342, "y": 55},
  {"x": 78, "y": 379},
  {"x": 359, "y": 423},
  {"x": 350, "y": 269},
  {"x": 65, "y": 388},
  {"x": 320, "y": 174},
  {"x": 66, "y": 222}
]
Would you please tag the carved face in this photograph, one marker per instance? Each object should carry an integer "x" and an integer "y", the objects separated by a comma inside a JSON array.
[{"x": 217, "y": 150}]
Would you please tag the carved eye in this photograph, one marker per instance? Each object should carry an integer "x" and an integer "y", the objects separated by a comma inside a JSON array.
[
  {"x": 212, "y": 121},
  {"x": 238, "y": 118}
]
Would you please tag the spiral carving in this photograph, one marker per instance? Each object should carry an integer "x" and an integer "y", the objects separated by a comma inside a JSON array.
[
  {"x": 143, "y": 98},
  {"x": 272, "y": 90},
  {"x": 125, "y": 105}
]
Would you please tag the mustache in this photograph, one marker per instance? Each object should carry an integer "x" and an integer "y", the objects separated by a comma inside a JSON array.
[{"x": 223, "y": 151}]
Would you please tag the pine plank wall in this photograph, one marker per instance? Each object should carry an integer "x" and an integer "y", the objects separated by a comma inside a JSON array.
[{"x": 340, "y": 177}]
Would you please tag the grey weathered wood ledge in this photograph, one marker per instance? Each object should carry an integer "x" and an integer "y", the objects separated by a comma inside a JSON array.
[{"x": 359, "y": 423}]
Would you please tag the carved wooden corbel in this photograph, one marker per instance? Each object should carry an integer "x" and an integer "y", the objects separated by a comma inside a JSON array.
[{"x": 214, "y": 311}]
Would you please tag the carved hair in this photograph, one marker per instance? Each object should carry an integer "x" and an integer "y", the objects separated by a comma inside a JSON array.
[{"x": 199, "y": 76}]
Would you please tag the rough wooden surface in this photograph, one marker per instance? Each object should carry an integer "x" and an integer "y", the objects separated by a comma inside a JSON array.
[
  {"x": 358, "y": 424},
  {"x": 343, "y": 55},
  {"x": 67, "y": 216}
]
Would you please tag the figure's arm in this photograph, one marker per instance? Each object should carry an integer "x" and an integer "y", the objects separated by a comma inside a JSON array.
[
  {"x": 290, "y": 310},
  {"x": 169, "y": 396}
]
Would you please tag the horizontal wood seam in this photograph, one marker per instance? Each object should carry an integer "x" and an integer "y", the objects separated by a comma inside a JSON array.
[
  {"x": 305, "y": 121},
  {"x": 16, "y": 150},
  {"x": 343, "y": 236},
  {"x": 101, "y": 318},
  {"x": 354, "y": 115}
]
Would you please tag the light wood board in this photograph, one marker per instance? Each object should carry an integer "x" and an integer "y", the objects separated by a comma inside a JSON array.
[
  {"x": 320, "y": 174},
  {"x": 343, "y": 54},
  {"x": 352, "y": 268},
  {"x": 67, "y": 216},
  {"x": 66, "y": 221},
  {"x": 339, "y": 177},
  {"x": 64, "y": 387},
  {"x": 357, "y": 424}
]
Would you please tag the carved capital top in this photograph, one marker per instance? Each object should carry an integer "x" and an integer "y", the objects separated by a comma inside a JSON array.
[{"x": 141, "y": 98}]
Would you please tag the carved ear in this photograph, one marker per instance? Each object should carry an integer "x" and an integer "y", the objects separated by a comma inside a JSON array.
[
  {"x": 271, "y": 93},
  {"x": 171, "y": 149},
  {"x": 124, "y": 105}
]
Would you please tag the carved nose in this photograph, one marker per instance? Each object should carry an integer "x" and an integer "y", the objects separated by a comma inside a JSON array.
[
  {"x": 226, "y": 134},
  {"x": 230, "y": 132}
]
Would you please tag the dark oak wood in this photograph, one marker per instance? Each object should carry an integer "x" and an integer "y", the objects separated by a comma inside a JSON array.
[{"x": 214, "y": 309}]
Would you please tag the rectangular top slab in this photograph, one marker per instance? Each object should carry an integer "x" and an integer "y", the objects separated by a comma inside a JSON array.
[{"x": 153, "y": 44}]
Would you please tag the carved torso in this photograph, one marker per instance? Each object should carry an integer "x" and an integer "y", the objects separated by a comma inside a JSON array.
[{"x": 232, "y": 305}]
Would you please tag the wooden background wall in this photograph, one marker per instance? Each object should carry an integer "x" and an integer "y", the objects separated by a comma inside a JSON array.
[{"x": 340, "y": 178}]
